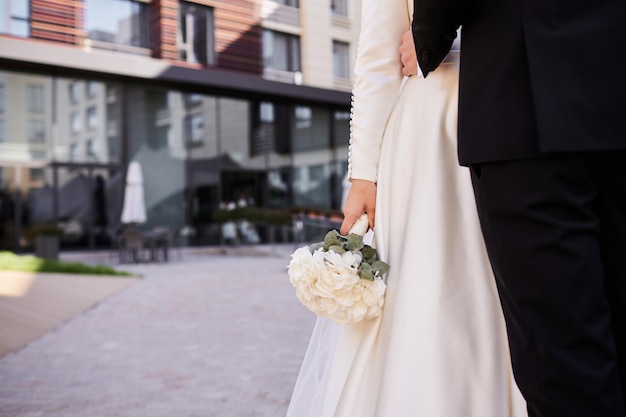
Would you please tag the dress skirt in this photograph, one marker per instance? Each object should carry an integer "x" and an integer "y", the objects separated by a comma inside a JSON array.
[{"x": 440, "y": 347}]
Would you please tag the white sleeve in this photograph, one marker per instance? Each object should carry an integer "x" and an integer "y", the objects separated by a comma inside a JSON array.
[{"x": 378, "y": 75}]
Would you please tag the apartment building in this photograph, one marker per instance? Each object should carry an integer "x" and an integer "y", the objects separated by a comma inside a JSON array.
[{"x": 218, "y": 100}]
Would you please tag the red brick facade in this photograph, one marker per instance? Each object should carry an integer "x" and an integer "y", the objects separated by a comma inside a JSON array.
[
  {"x": 57, "y": 20},
  {"x": 238, "y": 43}
]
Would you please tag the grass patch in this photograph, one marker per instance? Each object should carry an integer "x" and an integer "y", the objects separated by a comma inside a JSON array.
[{"x": 12, "y": 262}]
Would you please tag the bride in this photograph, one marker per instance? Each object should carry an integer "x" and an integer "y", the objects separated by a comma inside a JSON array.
[{"x": 440, "y": 348}]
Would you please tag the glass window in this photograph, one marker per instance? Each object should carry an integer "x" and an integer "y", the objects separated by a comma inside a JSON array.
[
  {"x": 36, "y": 174},
  {"x": 92, "y": 118},
  {"x": 341, "y": 60},
  {"x": 192, "y": 99},
  {"x": 196, "y": 40},
  {"x": 90, "y": 150},
  {"x": 93, "y": 88},
  {"x": 37, "y": 154},
  {"x": 194, "y": 129},
  {"x": 74, "y": 91},
  {"x": 121, "y": 22},
  {"x": 310, "y": 127},
  {"x": 1, "y": 98},
  {"x": 339, "y": 7},
  {"x": 341, "y": 128},
  {"x": 73, "y": 152},
  {"x": 75, "y": 124},
  {"x": 15, "y": 17},
  {"x": 281, "y": 51},
  {"x": 36, "y": 131},
  {"x": 266, "y": 112},
  {"x": 292, "y": 3},
  {"x": 34, "y": 94}
]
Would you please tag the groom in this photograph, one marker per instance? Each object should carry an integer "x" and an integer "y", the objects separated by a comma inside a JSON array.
[{"x": 542, "y": 126}]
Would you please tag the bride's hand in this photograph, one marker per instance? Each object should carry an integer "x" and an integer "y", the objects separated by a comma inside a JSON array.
[{"x": 361, "y": 199}]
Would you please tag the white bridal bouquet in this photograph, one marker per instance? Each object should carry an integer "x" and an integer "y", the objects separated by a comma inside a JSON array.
[{"x": 340, "y": 279}]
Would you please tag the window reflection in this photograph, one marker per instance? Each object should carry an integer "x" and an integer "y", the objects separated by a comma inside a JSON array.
[
  {"x": 194, "y": 130},
  {"x": 292, "y": 3},
  {"x": 341, "y": 60},
  {"x": 75, "y": 122},
  {"x": 281, "y": 51},
  {"x": 36, "y": 132},
  {"x": 93, "y": 88},
  {"x": 92, "y": 118},
  {"x": 15, "y": 17},
  {"x": 121, "y": 22},
  {"x": 35, "y": 98},
  {"x": 196, "y": 29},
  {"x": 339, "y": 7},
  {"x": 74, "y": 92},
  {"x": 196, "y": 151}
]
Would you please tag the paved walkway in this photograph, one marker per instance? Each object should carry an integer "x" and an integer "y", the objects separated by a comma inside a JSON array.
[{"x": 207, "y": 336}]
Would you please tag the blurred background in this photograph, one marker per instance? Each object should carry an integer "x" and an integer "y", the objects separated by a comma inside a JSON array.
[{"x": 223, "y": 104}]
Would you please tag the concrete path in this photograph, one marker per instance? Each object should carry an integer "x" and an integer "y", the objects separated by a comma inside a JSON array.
[
  {"x": 33, "y": 304},
  {"x": 207, "y": 336}
]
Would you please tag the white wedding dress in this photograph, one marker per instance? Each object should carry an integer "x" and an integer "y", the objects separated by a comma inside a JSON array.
[{"x": 440, "y": 347}]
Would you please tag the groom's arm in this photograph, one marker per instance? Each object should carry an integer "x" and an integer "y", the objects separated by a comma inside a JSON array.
[{"x": 434, "y": 26}]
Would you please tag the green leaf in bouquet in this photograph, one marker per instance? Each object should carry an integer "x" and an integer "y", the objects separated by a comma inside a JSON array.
[
  {"x": 355, "y": 242},
  {"x": 316, "y": 246},
  {"x": 331, "y": 238},
  {"x": 337, "y": 249},
  {"x": 380, "y": 268},
  {"x": 331, "y": 235},
  {"x": 368, "y": 253},
  {"x": 365, "y": 272},
  {"x": 328, "y": 244}
]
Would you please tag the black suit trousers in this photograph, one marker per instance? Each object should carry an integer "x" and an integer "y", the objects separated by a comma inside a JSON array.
[{"x": 555, "y": 231}]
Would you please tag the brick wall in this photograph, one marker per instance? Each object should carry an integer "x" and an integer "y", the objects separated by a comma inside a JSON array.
[
  {"x": 238, "y": 42},
  {"x": 57, "y": 20},
  {"x": 163, "y": 27}
]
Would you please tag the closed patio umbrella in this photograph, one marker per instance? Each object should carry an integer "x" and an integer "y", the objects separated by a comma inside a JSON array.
[{"x": 134, "y": 209}]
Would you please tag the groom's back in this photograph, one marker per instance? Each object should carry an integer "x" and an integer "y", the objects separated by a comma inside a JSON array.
[{"x": 541, "y": 76}]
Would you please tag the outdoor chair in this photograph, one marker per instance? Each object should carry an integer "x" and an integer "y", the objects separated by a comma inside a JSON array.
[
  {"x": 158, "y": 241},
  {"x": 130, "y": 245}
]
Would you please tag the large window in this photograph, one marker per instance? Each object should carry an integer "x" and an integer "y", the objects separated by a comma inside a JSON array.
[
  {"x": 121, "y": 22},
  {"x": 281, "y": 51},
  {"x": 196, "y": 40},
  {"x": 75, "y": 123},
  {"x": 341, "y": 60},
  {"x": 36, "y": 131},
  {"x": 34, "y": 95},
  {"x": 339, "y": 7},
  {"x": 74, "y": 92},
  {"x": 14, "y": 17},
  {"x": 92, "y": 118},
  {"x": 194, "y": 130}
]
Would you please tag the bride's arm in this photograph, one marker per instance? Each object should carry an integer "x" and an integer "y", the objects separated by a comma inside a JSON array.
[{"x": 377, "y": 82}]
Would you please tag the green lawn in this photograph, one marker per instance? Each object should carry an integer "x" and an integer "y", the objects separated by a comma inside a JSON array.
[{"x": 12, "y": 262}]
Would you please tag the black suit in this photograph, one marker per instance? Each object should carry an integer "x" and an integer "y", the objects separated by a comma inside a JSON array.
[{"x": 542, "y": 124}]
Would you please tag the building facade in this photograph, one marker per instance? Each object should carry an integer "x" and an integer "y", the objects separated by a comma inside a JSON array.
[{"x": 219, "y": 101}]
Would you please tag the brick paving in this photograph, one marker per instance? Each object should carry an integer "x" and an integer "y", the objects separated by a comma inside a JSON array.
[{"x": 208, "y": 336}]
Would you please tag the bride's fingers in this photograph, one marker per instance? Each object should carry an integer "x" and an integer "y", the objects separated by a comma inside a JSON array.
[{"x": 348, "y": 222}]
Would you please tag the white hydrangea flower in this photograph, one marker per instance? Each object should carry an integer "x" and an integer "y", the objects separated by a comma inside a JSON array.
[{"x": 328, "y": 284}]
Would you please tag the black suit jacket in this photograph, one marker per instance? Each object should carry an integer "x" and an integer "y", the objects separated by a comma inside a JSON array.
[{"x": 537, "y": 76}]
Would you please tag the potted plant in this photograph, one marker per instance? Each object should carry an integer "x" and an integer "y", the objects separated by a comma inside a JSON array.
[{"x": 46, "y": 239}]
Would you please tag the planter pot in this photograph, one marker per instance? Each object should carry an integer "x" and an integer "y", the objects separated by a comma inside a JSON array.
[{"x": 47, "y": 247}]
